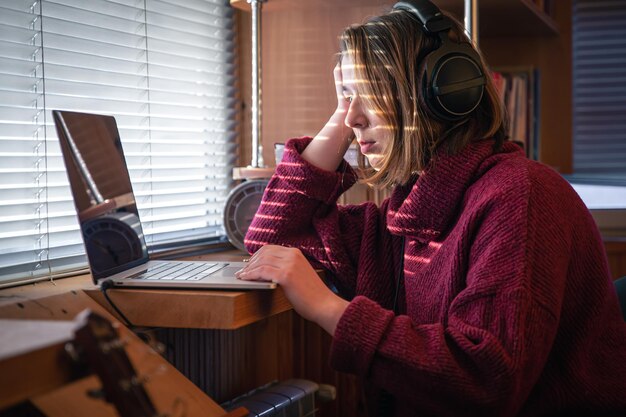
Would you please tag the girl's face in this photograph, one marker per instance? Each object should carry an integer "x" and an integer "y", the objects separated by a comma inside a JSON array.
[{"x": 370, "y": 128}]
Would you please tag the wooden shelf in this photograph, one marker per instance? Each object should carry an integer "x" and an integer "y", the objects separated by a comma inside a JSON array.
[
  {"x": 248, "y": 173},
  {"x": 506, "y": 17},
  {"x": 495, "y": 17}
]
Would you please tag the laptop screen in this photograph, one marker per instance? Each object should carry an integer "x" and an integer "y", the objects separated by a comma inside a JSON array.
[{"x": 102, "y": 191}]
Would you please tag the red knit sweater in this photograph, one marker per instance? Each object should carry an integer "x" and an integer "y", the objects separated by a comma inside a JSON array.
[{"x": 506, "y": 307}]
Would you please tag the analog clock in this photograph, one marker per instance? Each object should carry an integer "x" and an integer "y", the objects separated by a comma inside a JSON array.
[
  {"x": 240, "y": 207},
  {"x": 112, "y": 240}
]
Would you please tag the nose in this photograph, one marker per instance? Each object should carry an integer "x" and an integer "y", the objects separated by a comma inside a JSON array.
[{"x": 356, "y": 116}]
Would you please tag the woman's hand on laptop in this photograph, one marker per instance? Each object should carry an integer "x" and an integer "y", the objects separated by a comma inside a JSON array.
[{"x": 304, "y": 289}]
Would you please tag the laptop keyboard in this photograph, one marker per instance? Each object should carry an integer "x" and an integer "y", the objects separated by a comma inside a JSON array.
[{"x": 179, "y": 271}]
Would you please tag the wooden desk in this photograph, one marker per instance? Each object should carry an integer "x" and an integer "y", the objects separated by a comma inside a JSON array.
[{"x": 197, "y": 309}]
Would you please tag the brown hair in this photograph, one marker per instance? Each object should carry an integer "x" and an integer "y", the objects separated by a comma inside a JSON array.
[{"x": 387, "y": 51}]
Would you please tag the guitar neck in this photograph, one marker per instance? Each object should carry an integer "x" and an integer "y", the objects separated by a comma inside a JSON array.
[{"x": 105, "y": 353}]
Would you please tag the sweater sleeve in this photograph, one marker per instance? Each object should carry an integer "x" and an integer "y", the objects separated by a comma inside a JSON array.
[
  {"x": 299, "y": 209},
  {"x": 487, "y": 350}
]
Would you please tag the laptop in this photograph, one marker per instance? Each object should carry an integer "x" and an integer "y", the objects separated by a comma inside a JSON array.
[{"x": 108, "y": 216}]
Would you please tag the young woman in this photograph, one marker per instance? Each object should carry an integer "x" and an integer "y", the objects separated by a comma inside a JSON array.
[{"x": 481, "y": 286}]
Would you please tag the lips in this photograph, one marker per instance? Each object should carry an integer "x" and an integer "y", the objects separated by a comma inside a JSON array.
[{"x": 366, "y": 146}]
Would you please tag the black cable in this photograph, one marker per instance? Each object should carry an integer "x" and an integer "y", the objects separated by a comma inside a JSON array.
[{"x": 106, "y": 285}]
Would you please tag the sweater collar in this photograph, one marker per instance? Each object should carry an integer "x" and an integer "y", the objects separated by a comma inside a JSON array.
[{"x": 424, "y": 209}]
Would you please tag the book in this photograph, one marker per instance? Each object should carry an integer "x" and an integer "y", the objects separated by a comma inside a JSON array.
[{"x": 517, "y": 89}]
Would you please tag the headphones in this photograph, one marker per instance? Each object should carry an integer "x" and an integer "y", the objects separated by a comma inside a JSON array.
[{"x": 453, "y": 82}]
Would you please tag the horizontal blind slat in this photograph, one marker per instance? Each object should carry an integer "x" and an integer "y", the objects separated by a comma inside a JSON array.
[
  {"x": 166, "y": 72},
  {"x": 599, "y": 83}
]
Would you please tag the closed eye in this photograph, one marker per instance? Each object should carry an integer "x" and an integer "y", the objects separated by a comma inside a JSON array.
[{"x": 347, "y": 94}]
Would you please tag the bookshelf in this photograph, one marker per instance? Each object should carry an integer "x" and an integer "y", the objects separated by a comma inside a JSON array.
[
  {"x": 550, "y": 58},
  {"x": 518, "y": 88}
]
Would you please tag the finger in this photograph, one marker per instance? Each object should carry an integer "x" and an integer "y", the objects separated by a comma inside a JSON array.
[
  {"x": 272, "y": 252},
  {"x": 260, "y": 273},
  {"x": 272, "y": 262},
  {"x": 338, "y": 77}
]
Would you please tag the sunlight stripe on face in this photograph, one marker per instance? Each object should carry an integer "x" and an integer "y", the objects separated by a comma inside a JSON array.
[{"x": 355, "y": 81}]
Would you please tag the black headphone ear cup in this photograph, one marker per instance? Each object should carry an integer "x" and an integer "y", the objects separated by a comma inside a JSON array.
[
  {"x": 443, "y": 98},
  {"x": 454, "y": 82}
]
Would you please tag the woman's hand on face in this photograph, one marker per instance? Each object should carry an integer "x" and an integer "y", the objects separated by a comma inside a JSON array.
[
  {"x": 328, "y": 147},
  {"x": 342, "y": 103},
  {"x": 303, "y": 287}
]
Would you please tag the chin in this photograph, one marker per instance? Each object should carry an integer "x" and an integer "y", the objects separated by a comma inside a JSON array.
[{"x": 374, "y": 162}]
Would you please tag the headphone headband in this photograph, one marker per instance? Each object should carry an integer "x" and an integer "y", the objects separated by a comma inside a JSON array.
[{"x": 427, "y": 13}]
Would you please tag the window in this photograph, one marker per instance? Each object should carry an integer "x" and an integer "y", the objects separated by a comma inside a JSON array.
[
  {"x": 164, "y": 69},
  {"x": 599, "y": 74}
]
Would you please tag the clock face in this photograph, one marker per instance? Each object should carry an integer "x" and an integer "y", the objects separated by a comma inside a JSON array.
[
  {"x": 113, "y": 240},
  {"x": 240, "y": 208}
]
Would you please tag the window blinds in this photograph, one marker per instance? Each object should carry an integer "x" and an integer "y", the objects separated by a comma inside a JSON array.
[
  {"x": 164, "y": 69},
  {"x": 599, "y": 74}
]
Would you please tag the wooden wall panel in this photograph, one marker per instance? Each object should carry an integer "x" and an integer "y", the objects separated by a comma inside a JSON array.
[
  {"x": 311, "y": 361},
  {"x": 228, "y": 363},
  {"x": 298, "y": 47}
]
